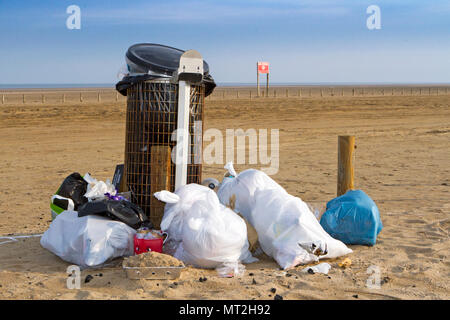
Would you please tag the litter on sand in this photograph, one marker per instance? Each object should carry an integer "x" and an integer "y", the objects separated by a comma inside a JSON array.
[
  {"x": 160, "y": 217},
  {"x": 345, "y": 263},
  {"x": 201, "y": 230},
  {"x": 287, "y": 229},
  {"x": 319, "y": 268},
  {"x": 353, "y": 218}
]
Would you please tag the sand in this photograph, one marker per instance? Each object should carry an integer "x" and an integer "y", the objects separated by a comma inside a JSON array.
[
  {"x": 402, "y": 162},
  {"x": 152, "y": 259}
]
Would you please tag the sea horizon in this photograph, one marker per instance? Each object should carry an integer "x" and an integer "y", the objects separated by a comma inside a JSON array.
[{"x": 219, "y": 84}]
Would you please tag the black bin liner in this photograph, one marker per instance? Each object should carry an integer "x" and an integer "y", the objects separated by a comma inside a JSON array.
[
  {"x": 123, "y": 210},
  {"x": 149, "y": 61},
  {"x": 73, "y": 187}
]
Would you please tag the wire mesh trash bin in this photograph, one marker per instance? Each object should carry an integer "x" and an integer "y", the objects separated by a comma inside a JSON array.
[{"x": 151, "y": 119}]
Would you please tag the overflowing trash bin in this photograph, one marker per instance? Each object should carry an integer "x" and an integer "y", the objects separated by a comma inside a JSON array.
[
  {"x": 152, "y": 90},
  {"x": 165, "y": 216}
]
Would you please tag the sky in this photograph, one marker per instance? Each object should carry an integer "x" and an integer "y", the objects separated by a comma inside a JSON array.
[{"x": 309, "y": 41}]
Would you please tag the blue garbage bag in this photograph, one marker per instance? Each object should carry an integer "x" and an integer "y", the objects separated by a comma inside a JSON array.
[{"x": 352, "y": 218}]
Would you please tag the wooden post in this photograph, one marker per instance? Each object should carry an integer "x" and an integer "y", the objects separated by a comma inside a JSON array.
[
  {"x": 299, "y": 92},
  {"x": 267, "y": 85},
  {"x": 346, "y": 147},
  {"x": 117, "y": 96},
  {"x": 98, "y": 97},
  {"x": 257, "y": 81},
  {"x": 64, "y": 98},
  {"x": 321, "y": 92},
  {"x": 23, "y": 98},
  {"x": 43, "y": 98},
  {"x": 353, "y": 91},
  {"x": 237, "y": 94},
  {"x": 81, "y": 97},
  {"x": 159, "y": 180},
  {"x": 342, "y": 93},
  {"x": 3, "y": 98}
]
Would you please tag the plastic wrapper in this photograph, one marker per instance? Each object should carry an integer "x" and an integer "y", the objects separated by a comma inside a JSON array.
[{"x": 230, "y": 270}]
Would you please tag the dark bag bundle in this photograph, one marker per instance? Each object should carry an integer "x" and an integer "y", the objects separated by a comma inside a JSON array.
[
  {"x": 122, "y": 210},
  {"x": 74, "y": 187}
]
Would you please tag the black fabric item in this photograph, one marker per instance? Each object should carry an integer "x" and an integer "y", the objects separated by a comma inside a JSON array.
[
  {"x": 62, "y": 203},
  {"x": 74, "y": 187},
  {"x": 122, "y": 210},
  {"x": 130, "y": 81}
]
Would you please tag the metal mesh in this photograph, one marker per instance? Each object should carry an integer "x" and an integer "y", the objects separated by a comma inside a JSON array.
[{"x": 152, "y": 112}]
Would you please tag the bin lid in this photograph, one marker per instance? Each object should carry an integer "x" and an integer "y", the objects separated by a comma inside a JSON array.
[{"x": 157, "y": 58}]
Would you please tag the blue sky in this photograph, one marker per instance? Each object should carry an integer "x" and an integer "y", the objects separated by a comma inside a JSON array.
[{"x": 306, "y": 41}]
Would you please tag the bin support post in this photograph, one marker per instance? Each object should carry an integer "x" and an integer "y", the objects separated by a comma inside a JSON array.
[
  {"x": 181, "y": 157},
  {"x": 346, "y": 147}
]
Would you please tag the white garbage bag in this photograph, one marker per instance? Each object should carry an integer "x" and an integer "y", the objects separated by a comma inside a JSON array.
[
  {"x": 243, "y": 186},
  {"x": 201, "y": 230},
  {"x": 287, "y": 229},
  {"x": 88, "y": 241}
]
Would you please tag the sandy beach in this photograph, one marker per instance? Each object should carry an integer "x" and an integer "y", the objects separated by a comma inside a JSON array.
[{"x": 402, "y": 162}]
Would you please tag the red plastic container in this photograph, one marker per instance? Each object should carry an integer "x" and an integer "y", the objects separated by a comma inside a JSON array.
[{"x": 146, "y": 245}]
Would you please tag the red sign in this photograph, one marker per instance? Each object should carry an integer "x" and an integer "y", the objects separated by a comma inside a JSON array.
[{"x": 263, "y": 67}]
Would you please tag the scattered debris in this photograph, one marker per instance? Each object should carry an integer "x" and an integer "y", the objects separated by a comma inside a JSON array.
[
  {"x": 273, "y": 290},
  {"x": 355, "y": 296},
  {"x": 254, "y": 281},
  {"x": 345, "y": 263},
  {"x": 319, "y": 268},
  {"x": 278, "y": 297},
  {"x": 385, "y": 280}
]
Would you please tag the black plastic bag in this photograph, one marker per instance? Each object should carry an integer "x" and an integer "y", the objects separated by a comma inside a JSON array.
[
  {"x": 74, "y": 187},
  {"x": 122, "y": 210},
  {"x": 129, "y": 81}
]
